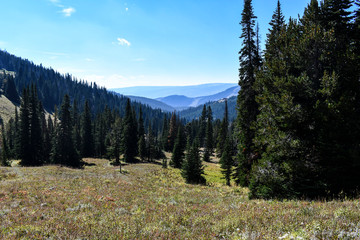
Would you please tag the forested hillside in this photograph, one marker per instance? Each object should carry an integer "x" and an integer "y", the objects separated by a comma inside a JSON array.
[{"x": 218, "y": 108}]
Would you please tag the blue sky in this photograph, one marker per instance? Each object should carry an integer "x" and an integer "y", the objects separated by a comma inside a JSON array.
[{"x": 121, "y": 43}]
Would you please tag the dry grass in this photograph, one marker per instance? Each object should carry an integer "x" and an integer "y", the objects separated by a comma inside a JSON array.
[{"x": 149, "y": 202}]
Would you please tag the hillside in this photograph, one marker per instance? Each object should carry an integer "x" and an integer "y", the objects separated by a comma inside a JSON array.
[
  {"x": 163, "y": 91},
  {"x": 217, "y": 107},
  {"x": 52, "y": 86},
  {"x": 148, "y": 202},
  {"x": 155, "y": 104}
]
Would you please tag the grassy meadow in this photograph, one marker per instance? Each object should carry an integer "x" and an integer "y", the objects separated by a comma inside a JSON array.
[{"x": 149, "y": 202}]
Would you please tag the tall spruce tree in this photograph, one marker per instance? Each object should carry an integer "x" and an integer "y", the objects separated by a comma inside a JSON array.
[
  {"x": 209, "y": 141},
  {"x": 179, "y": 148},
  {"x": 4, "y": 149},
  {"x": 141, "y": 137},
  {"x": 24, "y": 133},
  {"x": 226, "y": 161},
  {"x": 63, "y": 150},
  {"x": 223, "y": 132},
  {"x": 129, "y": 135},
  {"x": 192, "y": 168},
  {"x": 87, "y": 139},
  {"x": 246, "y": 102},
  {"x": 202, "y": 123}
]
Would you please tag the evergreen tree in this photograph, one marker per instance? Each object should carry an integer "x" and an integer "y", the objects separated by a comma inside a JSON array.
[
  {"x": 87, "y": 140},
  {"x": 36, "y": 140},
  {"x": 223, "y": 132},
  {"x": 164, "y": 134},
  {"x": 246, "y": 104},
  {"x": 179, "y": 148},
  {"x": 24, "y": 133},
  {"x": 202, "y": 124},
  {"x": 4, "y": 149},
  {"x": 150, "y": 144},
  {"x": 227, "y": 162},
  {"x": 63, "y": 149},
  {"x": 172, "y": 131},
  {"x": 141, "y": 137},
  {"x": 192, "y": 168},
  {"x": 129, "y": 137},
  {"x": 208, "y": 151},
  {"x": 114, "y": 150}
]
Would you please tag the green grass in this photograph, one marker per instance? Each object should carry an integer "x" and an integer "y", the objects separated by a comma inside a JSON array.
[{"x": 149, "y": 202}]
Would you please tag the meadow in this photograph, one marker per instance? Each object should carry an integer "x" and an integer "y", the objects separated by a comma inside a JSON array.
[{"x": 147, "y": 201}]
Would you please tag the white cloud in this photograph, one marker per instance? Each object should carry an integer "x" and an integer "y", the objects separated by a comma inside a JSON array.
[
  {"x": 68, "y": 11},
  {"x": 89, "y": 60},
  {"x": 123, "y": 41},
  {"x": 126, "y": 9},
  {"x": 2, "y": 43},
  {"x": 139, "y": 60}
]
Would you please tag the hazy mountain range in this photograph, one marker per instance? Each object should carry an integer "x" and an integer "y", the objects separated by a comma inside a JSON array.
[
  {"x": 181, "y": 102},
  {"x": 193, "y": 91}
]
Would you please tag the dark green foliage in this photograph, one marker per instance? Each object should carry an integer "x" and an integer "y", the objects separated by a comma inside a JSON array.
[
  {"x": 192, "y": 168},
  {"x": 307, "y": 132},
  {"x": 63, "y": 149},
  {"x": 179, "y": 148},
  {"x": 227, "y": 162},
  {"x": 4, "y": 149},
  {"x": 209, "y": 142},
  {"x": 87, "y": 139},
  {"x": 10, "y": 90},
  {"x": 141, "y": 137},
  {"x": 202, "y": 130},
  {"x": 246, "y": 103},
  {"x": 114, "y": 148},
  {"x": 173, "y": 128},
  {"x": 129, "y": 135},
  {"x": 30, "y": 133},
  {"x": 223, "y": 132}
]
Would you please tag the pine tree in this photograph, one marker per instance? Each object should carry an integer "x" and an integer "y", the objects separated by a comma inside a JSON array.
[
  {"x": 36, "y": 140},
  {"x": 164, "y": 134},
  {"x": 192, "y": 168},
  {"x": 114, "y": 150},
  {"x": 202, "y": 124},
  {"x": 246, "y": 102},
  {"x": 172, "y": 132},
  {"x": 4, "y": 149},
  {"x": 227, "y": 162},
  {"x": 129, "y": 138},
  {"x": 141, "y": 133},
  {"x": 208, "y": 151},
  {"x": 24, "y": 133},
  {"x": 87, "y": 140},
  {"x": 150, "y": 144},
  {"x": 223, "y": 132},
  {"x": 63, "y": 149},
  {"x": 179, "y": 148}
]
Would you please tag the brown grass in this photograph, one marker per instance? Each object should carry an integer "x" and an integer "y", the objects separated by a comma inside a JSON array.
[{"x": 148, "y": 202}]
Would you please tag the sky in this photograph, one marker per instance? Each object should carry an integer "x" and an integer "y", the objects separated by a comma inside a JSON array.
[{"x": 122, "y": 43}]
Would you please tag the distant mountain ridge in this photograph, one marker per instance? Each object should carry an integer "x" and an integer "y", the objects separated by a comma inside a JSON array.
[
  {"x": 181, "y": 102},
  {"x": 164, "y": 91}
]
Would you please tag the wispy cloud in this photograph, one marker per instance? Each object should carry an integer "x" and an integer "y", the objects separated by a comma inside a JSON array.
[
  {"x": 139, "y": 60},
  {"x": 123, "y": 42},
  {"x": 89, "y": 60},
  {"x": 68, "y": 11},
  {"x": 2, "y": 43}
]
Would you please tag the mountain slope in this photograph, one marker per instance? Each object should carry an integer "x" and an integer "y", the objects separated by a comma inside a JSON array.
[
  {"x": 217, "y": 107},
  {"x": 52, "y": 86},
  {"x": 155, "y": 104},
  {"x": 163, "y": 91},
  {"x": 182, "y": 102}
]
